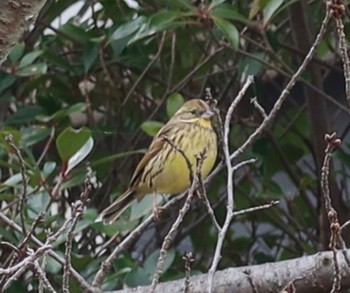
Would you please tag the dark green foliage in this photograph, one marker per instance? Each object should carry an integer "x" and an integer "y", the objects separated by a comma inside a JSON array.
[{"x": 92, "y": 90}]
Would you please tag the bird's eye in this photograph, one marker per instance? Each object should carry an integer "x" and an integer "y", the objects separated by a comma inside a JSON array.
[{"x": 193, "y": 111}]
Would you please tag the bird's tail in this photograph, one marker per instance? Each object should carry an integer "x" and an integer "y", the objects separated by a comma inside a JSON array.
[{"x": 113, "y": 211}]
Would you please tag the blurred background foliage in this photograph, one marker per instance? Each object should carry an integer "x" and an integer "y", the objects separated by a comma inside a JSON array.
[{"x": 92, "y": 81}]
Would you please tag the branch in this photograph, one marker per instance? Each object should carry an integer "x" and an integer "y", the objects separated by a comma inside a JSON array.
[
  {"x": 10, "y": 141},
  {"x": 337, "y": 9},
  {"x": 332, "y": 143},
  {"x": 196, "y": 183},
  {"x": 17, "y": 270},
  {"x": 15, "y": 17},
  {"x": 316, "y": 271},
  {"x": 230, "y": 170},
  {"x": 83, "y": 283},
  {"x": 78, "y": 208}
]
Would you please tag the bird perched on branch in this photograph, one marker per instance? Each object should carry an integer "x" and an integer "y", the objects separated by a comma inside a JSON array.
[{"x": 165, "y": 167}]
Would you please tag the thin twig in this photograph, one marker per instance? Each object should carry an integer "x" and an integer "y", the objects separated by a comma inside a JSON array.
[
  {"x": 154, "y": 59},
  {"x": 337, "y": 9},
  {"x": 83, "y": 283},
  {"x": 256, "y": 208},
  {"x": 188, "y": 258},
  {"x": 42, "y": 277},
  {"x": 257, "y": 106},
  {"x": 230, "y": 170},
  {"x": 17, "y": 270},
  {"x": 10, "y": 141},
  {"x": 332, "y": 143},
  {"x": 344, "y": 226},
  {"x": 42, "y": 266},
  {"x": 196, "y": 184},
  {"x": 77, "y": 212},
  {"x": 38, "y": 220},
  {"x": 277, "y": 106},
  {"x": 47, "y": 146},
  {"x": 210, "y": 210},
  {"x": 16, "y": 251},
  {"x": 125, "y": 244}
]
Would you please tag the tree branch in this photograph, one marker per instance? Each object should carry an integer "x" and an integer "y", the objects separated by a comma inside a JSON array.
[
  {"x": 15, "y": 17},
  {"x": 311, "y": 274}
]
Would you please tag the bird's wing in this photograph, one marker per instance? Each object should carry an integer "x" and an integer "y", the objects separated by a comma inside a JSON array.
[{"x": 155, "y": 147}]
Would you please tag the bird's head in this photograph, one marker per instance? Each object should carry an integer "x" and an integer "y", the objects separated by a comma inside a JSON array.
[{"x": 195, "y": 111}]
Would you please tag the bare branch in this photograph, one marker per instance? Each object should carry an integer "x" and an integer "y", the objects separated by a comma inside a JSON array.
[
  {"x": 196, "y": 184},
  {"x": 17, "y": 270},
  {"x": 230, "y": 170},
  {"x": 10, "y": 141},
  {"x": 337, "y": 9},
  {"x": 188, "y": 258},
  {"x": 332, "y": 143},
  {"x": 77, "y": 212},
  {"x": 42, "y": 277},
  {"x": 85, "y": 285}
]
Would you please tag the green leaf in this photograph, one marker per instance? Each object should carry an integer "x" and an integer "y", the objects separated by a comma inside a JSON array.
[
  {"x": 7, "y": 196},
  {"x": 215, "y": 3},
  {"x": 75, "y": 179},
  {"x": 164, "y": 19},
  {"x": 6, "y": 130},
  {"x": 70, "y": 141},
  {"x": 109, "y": 230},
  {"x": 181, "y": 4},
  {"x": 77, "y": 33},
  {"x": 33, "y": 134},
  {"x": 144, "y": 207},
  {"x": 150, "y": 264},
  {"x": 90, "y": 54},
  {"x": 81, "y": 262},
  {"x": 271, "y": 190},
  {"x": 250, "y": 66},
  {"x": 52, "y": 265},
  {"x": 227, "y": 11},
  {"x": 117, "y": 156},
  {"x": 48, "y": 168},
  {"x": 137, "y": 277},
  {"x": 57, "y": 60},
  {"x": 128, "y": 29},
  {"x": 229, "y": 30},
  {"x": 6, "y": 80},
  {"x": 270, "y": 8},
  {"x": 256, "y": 7},
  {"x": 59, "y": 115},
  {"x": 13, "y": 180},
  {"x": 29, "y": 58},
  {"x": 38, "y": 68},
  {"x": 7, "y": 235},
  {"x": 80, "y": 155},
  {"x": 151, "y": 127},
  {"x": 36, "y": 203},
  {"x": 174, "y": 102},
  {"x": 16, "y": 52},
  {"x": 24, "y": 114}
]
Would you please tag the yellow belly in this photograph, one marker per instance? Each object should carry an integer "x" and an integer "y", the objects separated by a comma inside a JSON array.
[{"x": 174, "y": 176}]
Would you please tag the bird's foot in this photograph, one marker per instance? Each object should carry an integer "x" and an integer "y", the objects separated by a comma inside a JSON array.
[{"x": 156, "y": 212}]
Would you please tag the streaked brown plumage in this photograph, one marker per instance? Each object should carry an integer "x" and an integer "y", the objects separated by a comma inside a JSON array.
[{"x": 163, "y": 169}]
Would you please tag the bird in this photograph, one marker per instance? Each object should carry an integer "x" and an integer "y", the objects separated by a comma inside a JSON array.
[{"x": 164, "y": 169}]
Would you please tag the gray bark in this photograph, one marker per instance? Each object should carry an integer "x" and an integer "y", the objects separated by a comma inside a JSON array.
[
  {"x": 312, "y": 274},
  {"x": 15, "y": 17}
]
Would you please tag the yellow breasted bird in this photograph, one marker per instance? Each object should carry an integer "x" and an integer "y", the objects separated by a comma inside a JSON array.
[{"x": 163, "y": 169}]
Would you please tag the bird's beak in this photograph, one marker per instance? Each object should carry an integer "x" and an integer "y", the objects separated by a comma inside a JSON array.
[{"x": 207, "y": 114}]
